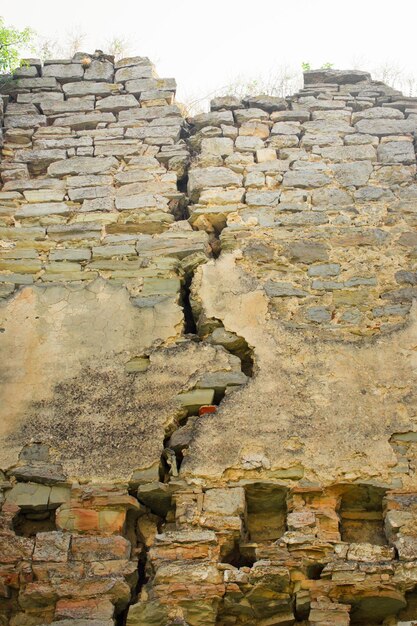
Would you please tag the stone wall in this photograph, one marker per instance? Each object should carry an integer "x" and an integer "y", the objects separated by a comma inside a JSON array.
[{"x": 208, "y": 395}]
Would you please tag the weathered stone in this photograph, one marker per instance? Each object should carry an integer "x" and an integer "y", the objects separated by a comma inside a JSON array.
[
  {"x": 215, "y": 118},
  {"x": 116, "y": 103},
  {"x": 331, "y": 197},
  {"x": 133, "y": 72},
  {"x": 225, "y": 102},
  {"x": 139, "y": 85},
  {"x": 99, "y": 548},
  {"x": 318, "y": 314},
  {"x": 90, "y": 88},
  {"x": 221, "y": 146},
  {"x": 253, "y": 113},
  {"x": 52, "y": 546},
  {"x": 348, "y": 153},
  {"x": 192, "y": 400},
  {"x": 43, "y": 208},
  {"x": 305, "y": 179},
  {"x": 397, "y": 152},
  {"x": 39, "y": 160},
  {"x": 43, "y": 82},
  {"x": 82, "y": 165},
  {"x": 67, "y": 73},
  {"x": 268, "y": 103},
  {"x": 286, "y": 128},
  {"x": 29, "y": 496},
  {"x": 199, "y": 178},
  {"x": 377, "y": 113},
  {"x": 373, "y": 194},
  {"x": 99, "y": 70},
  {"x": 324, "y": 269},
  {"x": 307, "y": 252},
  {"x": 352, "y": 174},
  {"x": 24, "y": 121},
  {"x": 262, "y": 198},
  {"x": 225, "y": 501},
  {"x": 73, "y": 105},
  {"x": 339, "y": 77},
  {"x": 383, "y": 127},
  {"x": 82, "y": 121},
  {"x": 278, "y": 289}
]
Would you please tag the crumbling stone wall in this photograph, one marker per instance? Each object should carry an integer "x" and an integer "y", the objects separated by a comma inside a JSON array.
[{"x": 208, "y": 395}]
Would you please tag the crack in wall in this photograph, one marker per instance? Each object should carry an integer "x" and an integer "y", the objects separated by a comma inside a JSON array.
[{"x": 311, "y": 527}]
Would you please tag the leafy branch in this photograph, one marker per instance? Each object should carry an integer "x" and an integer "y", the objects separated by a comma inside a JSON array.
[{"x": 12, "y": 41}]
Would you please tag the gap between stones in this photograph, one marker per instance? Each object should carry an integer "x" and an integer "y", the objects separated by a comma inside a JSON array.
[
  {"x": 195, "y": 329},
  {"x": 158, "y": 507}
]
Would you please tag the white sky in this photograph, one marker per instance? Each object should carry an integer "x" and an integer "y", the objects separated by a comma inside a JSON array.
[{"x": 204, "y": 45}]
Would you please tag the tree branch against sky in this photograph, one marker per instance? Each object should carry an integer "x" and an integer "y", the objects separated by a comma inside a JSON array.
[{"x": 12, "y": 42}]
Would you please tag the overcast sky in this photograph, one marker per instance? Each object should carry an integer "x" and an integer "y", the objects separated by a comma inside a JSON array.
[{"x": 205, "y": 45}]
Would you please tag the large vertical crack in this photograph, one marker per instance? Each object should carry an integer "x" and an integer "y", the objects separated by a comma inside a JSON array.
[{"x": 155, "y": 499}]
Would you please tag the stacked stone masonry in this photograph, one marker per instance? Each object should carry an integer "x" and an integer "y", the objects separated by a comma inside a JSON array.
[{"x": 208, "y": 390}]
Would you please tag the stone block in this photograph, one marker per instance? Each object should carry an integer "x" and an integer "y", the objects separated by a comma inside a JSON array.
[
  {"x": 192, "y": 400},
  {"x": 248, "y": 144},
  {"x": 14, "y": 549},
  {"x": 225, "y": 501},
  {"x": 134, "y": 72},
  {"x": 201, "y": 178},
  {"x": 279, "y": 289},
  {"x": 406, "y": 547},
  {"x": 83, "y": 165},
  {"x": 348, "y": 153},
  {"x": 263, "y": 198},
  {"x": 94, "y": 548},
  {"x": 319, "y": 314},
  {"x": 374, "y": 113},
  {"x": 220, "y": 380},
  {"x": 307, "y": 251},
  {"x": 90, "y": 88},
  {"x": 72, "y": 105},
  {"x": 369, "y": 553},
  {"x": 43, "y": 208},
  {"x": 42, "y": 83},
  {"x": 64, "y": 73},
  {"x": 44, "y": 195},
  {"x": 31, "y": 120},
  {"x": 266, "y": 155},
  {"x": 305, "y": 179},
  {"x": 397, "y": 152},
  {"x": 246, "y": 115},
  {"x": 221, "y": 146},
  {"x": 99, "y": 71},
  {"x": 353, "y": 174},
  {"x": 215, "y": 118},
  {"x": 29, "y": 496},
  {"x": 384, "y": 127},
  {"x": 90, "y": 609},
  {"x": 52, "y": 546},
  {"x": 117, "y": 103},
  {"x": 82, "y": 121}
]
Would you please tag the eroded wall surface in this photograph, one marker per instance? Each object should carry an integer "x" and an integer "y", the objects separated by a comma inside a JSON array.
[{"x": 208, "y": 339}]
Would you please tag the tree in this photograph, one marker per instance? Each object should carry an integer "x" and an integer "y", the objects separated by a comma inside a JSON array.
[
  {"x": 12, "y": 41},
  {"x": 47, "y": 48},
  {"x": 119, "y": 47},
  {"x": 75, "y": 40}
]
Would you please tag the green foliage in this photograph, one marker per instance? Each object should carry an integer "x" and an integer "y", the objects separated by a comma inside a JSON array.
[
  {"x": 11, "y": 42},
  {"x": 307, "y": 66}
]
